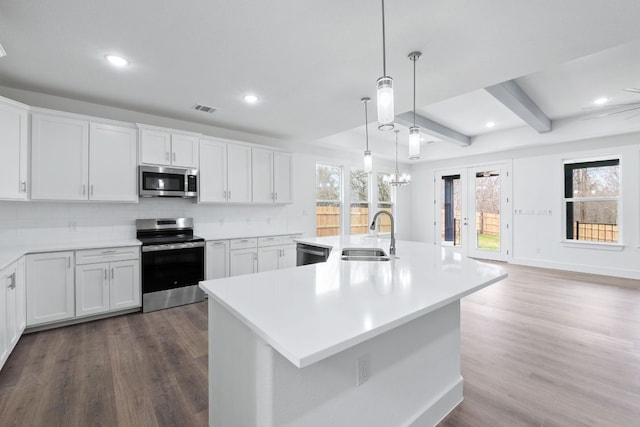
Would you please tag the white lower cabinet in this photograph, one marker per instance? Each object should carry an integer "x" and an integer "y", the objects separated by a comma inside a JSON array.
[
  {"x": 276, "y": 252},
  {"x": 50, "y": 287},
  {"x": 103, "y": 286},
  {"x": 243, "y": 256},
  {"x": 12, "y": 316},
  {"x": 217, "y": 253}
]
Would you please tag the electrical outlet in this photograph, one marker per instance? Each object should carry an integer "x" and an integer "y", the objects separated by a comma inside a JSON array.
[{"x": 363, "y": 369}]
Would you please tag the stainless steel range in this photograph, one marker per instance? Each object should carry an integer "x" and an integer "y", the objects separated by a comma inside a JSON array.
[{"x": 172, "y": 262}]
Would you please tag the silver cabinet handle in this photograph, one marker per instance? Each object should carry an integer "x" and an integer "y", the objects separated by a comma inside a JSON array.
[
  {"x": 12, "y": 281},
  {"x": 113, "y": 251},
  {"x": 84, "y": 189},
  {"x": 225, "y": 195},
  {"x": 273, "y": 196},
  {"x": 174, "y": 156},
  {"x": 218, "y": 243},
  {"x": 105, "y": 274},
  {"x": 229, "y": 194},
  {"x": 92, "y": 189},
  {"x": 166, "y": 155},
  {"x": 112, "y": 273},
  {"x": 276, "y": 196},
  {"x": 23, "y": 187},
  {"x": 69, "y": 262}
]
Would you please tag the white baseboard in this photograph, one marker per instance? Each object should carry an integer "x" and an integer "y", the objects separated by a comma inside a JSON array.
[{"x": 579, "y": 268}]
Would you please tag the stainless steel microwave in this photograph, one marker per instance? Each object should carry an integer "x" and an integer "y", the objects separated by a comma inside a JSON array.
[{"x": 160, "y": 181}]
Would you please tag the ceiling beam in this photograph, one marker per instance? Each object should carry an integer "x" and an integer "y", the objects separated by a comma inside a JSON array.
[
  {"x": 433, "y": 128},
  {"x": 515, "y": 99}
]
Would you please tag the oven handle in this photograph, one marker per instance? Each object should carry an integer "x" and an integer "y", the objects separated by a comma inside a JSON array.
[{"x": 172, "y": 246}]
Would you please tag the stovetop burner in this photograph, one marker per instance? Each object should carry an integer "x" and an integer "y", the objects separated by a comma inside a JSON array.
[
  {"x": 166, "y": 230},
  {"x": 160, "y": 240}
]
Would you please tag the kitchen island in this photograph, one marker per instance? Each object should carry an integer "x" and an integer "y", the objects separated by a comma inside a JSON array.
[{"x": 342, "y": 343}]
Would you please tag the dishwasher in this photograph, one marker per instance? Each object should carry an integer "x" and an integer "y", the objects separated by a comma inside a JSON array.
[{"x": 309, "y": 254}]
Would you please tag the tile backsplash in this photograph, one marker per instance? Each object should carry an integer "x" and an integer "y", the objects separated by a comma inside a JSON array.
[{"x": 55, "y": 221}]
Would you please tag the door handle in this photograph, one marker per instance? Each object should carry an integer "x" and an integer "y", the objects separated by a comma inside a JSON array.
[{"x": 174, "y": 156}]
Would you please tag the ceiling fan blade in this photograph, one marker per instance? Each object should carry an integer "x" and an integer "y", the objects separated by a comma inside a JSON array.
[
  {"x": 632, "y": 89},
  {"x": 601, "y": 107},
  {"x": 612, "y": 113}
]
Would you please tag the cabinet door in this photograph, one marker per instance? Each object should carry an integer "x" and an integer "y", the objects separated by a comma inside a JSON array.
[
  {"x": 50, "y": 287},
  {"x": 243, "y": 261},
  {"x": 282, "y": 177},
  {"x": 217, "y": 259},
  {"x": 21, "y": 296},
  {"x": 10, "y": 284},
  {"x": 13, "y": 152},
  {"x": 92, "y": 289},
  {"x": 4, "y": 329},
  {"x": 262, "y": 167},
  {"x": 184, "y": 150},
  {"x": 238, "y": 174},
  {"x": 288, "y": 256},
  {"x": 155, "y": 147},
  {"x": 59, "y": 158},
  {"x": 268, "y": 258},
  {"x": 213, "y": 172},
  {"x": 113, "y": 163},
  {"x": 125, "y": 284}
]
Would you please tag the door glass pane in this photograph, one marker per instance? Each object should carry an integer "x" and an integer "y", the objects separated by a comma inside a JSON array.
[
  {"x": 488, "y": 210},
  {"x": 451, "y": 210},
  {"x": 359, "y": 209},
  {"x": 385, "y": 202},
  {"x": 328, "y": 199}
]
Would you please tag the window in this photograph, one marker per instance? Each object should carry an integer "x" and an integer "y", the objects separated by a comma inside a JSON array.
[
  {"x": 385, "y": 202},
  {"x": 359, "y": 196},
  {"x": 592, "y": 198},
  {"x": 451, "y": 210},
  {"x": 328, "y": 199}
]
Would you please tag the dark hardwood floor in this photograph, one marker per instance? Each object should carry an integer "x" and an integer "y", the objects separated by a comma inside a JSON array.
[{"x": 542, "y": 348}]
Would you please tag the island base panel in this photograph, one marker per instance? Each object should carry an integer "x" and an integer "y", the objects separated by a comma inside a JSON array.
[{"x": 414, "y": 377}]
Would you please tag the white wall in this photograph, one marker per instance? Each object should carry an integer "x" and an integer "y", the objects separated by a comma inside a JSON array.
[
  {"x": 538, "y": 185},
  {"x": 24, "y": 221}
]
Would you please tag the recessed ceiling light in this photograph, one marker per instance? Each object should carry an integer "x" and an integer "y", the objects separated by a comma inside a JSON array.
[
  {"x": 490, "y": 124},
  {"x": 601, "y": 101},
  {"x": 250, "y": 99},
  {"x": 118, "y": 61}
]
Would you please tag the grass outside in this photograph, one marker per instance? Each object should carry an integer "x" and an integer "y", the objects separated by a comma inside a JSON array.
[{"x": 488, "y": 241}]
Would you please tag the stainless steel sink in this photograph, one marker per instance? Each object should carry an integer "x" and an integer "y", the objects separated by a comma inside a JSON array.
[{"x": 364, "y": 254}]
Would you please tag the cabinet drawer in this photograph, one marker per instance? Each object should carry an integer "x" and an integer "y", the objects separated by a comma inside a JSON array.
[
  {"x": 91, "y": 256},
  {"x": 269, "y": 241},
  {"x": 289, "y": 239},
  {"x": 243, "y": 243}
]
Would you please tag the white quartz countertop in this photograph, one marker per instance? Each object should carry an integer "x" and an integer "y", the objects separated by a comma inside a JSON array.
[
  {"x": 312, "y": 312},
  {"x": 10, "y": 252}
]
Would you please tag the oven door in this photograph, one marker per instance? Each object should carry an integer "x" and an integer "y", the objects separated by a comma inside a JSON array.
[{"x": 164, "y": 269}]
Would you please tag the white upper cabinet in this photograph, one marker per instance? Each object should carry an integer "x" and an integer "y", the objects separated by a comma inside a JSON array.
[
  {"x": 184, "y": 150},
  {"x": 164, "y": 147},
  {"x": 59, "y": 158},
  {"x": 213, "y": 171},
  {"x": 113, "y": 163},
  {"x": 282, "y": 177},
  {"x": 13, "y": 149},
  {"x": 271, "y": 176},
  {"x": 238, "y": 173},
  {"x": 74, "y": 159},
  {"x": 225, "y": 172},
  {"x": 262, "y": 164}
]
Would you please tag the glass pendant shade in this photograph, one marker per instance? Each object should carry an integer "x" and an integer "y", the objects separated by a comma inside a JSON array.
[
  {"x": 368, "y": 161},
  {"x": 386, "y": 114},
  {"x": 414, "y": 143}
]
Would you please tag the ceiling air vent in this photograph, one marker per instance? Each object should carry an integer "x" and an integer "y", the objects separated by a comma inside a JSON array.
[{"x": 204, "y": 108}]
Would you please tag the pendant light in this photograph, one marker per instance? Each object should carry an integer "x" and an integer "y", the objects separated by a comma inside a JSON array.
[
  {"x": 368, "y": 161},
  {"x": 384, "y": 89},
  {"x": 414, "y": 131},
  {"x": 398, "y": 179}
]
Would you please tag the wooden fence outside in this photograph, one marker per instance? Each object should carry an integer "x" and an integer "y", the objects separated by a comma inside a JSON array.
[
  {"x": 595, "y": 232},
  {"x": 328, "y": 220}
]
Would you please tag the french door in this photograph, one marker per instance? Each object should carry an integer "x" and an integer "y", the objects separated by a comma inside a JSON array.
[{"x": 472, "y": 210}]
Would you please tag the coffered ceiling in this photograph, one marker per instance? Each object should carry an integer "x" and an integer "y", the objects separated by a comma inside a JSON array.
[{"x": 310, "y": 62}]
